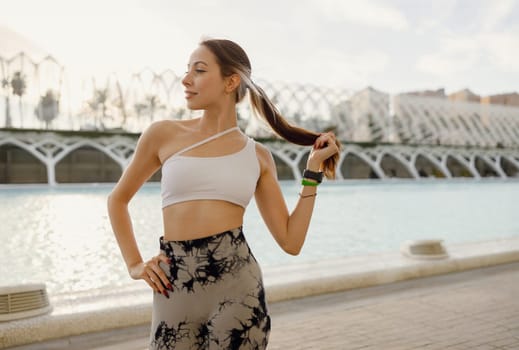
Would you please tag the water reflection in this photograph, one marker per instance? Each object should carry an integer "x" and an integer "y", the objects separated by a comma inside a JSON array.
[{"x": 63, "y": 237}]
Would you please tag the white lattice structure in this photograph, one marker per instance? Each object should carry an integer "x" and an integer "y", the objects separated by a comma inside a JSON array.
[
  {"x": 39, "y": 76},
  {"x": 374, "y": 116},
  {"x": 440, "y": 121},
  {"x": 387, "y": 135},
  {"x": 306, "y": 105},
  {"x": 368, "y": 115},
  {"x": 50, "y": 148}
]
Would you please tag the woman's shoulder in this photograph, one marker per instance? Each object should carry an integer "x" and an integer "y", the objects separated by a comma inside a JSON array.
[
  {"x": 161, "y": 127},
  {"x": 264, "y": 155},
  {"x": 165, "y": 129},
  {"x": 261, "y": 149}
]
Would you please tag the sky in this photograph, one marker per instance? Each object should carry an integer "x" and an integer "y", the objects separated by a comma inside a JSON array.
[{"x": 394, "y": 46}]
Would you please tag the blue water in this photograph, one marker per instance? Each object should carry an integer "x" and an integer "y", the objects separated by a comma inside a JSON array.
[{"x": 62, "y": 235}]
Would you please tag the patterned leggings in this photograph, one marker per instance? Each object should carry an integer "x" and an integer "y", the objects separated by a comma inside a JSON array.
[{"x": 218, "y": 299}]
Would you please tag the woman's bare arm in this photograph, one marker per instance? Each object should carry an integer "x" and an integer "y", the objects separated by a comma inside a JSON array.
[
  {"x": 145, "y": 162},
  {"x": 289, "y": 230}
]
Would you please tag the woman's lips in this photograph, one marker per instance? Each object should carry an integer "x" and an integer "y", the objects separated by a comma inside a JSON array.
[{"x": 189, "y": 94}]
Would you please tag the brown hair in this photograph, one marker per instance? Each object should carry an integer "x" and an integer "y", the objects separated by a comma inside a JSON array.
[{"x": 232, "y": 59}]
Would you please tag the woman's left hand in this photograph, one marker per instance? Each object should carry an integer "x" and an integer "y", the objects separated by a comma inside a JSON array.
[{"x": 324, "y": 147}]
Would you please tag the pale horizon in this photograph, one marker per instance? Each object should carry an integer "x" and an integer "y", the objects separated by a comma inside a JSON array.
[{"x": 393, "y": 46}]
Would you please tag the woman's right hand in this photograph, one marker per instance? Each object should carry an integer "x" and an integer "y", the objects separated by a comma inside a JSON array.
[{"x": 151, "y": 272}]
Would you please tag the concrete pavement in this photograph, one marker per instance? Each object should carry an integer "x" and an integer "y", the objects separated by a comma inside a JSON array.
[
  {"x": 476, "y": 309},
  {"x": 473, "y": 310}
]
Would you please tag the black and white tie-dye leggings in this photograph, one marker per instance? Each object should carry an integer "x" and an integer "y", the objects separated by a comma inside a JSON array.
[{"x": 218, "y": 299}]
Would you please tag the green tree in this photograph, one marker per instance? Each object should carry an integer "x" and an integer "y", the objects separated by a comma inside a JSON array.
[
  {"x": 152, "y": 105},
  {"x": 99, "y": 103},
  {"x": 48, "y": 108},
  {"x": 118, "y": 103},
  {"x": 19, "y": 85},
  {"x": 139, "y": 108},
  {"x": 121, "y": 104}
]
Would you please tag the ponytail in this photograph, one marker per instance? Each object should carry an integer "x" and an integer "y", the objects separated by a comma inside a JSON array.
[
  {"x": 262, "y": 105},
  {"x": 233, "y": 60}
]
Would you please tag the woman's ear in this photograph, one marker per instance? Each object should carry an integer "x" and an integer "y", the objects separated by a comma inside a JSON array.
[{"x": 232, "y": 83}]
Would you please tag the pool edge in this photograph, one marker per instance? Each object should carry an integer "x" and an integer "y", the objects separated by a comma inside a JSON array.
[{"x": 83, "y": 313}]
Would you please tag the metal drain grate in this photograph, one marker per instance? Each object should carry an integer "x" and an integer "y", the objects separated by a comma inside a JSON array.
[{"x": 23, "y": 301}]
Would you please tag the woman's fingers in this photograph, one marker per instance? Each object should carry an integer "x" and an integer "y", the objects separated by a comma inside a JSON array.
[
  {"x": 155, "y": 276},
  {"x": 148, "y": 280},
  {"x": 324, "y": 140},
  {"x": 160, "y": 273},
  {"x": 325, "y": 145},
  {"x": 164, "y": 259}
]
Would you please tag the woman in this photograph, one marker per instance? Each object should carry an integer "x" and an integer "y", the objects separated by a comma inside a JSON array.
[{"x": 209, "y": 289}]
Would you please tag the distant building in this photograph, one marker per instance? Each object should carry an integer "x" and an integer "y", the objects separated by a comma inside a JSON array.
[
  {"x": 464, "y": 95},
  {"x": 508, "y": 99},
  {"x": 428, "y": 93}
]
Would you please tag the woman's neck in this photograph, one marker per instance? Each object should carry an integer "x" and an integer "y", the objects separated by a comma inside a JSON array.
[{"x": 216, "y": 121}]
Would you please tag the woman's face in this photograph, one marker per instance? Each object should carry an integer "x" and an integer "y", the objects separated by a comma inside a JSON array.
[{"x": 203, "y": 82}]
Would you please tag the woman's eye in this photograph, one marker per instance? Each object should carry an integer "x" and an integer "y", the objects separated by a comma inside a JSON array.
[{"x": 199, "y": 70}]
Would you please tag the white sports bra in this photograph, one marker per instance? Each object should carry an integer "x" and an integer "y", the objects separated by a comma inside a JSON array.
[{"x": 229, "y": 178}]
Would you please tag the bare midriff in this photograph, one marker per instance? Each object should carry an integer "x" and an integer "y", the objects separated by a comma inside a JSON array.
[{"x": 200, "y": 218}]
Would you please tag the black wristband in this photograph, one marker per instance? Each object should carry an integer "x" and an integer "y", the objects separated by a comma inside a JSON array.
[{"x": 317, "y": 176}]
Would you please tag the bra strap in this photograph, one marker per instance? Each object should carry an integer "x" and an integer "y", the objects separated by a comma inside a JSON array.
[{"x": 210, "y": 138}]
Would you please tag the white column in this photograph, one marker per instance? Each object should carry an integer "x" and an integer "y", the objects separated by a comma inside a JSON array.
[{"x": 51, "y": 173}]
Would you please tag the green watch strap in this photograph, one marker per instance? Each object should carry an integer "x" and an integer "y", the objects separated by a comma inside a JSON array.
[{"x": 305, "y": 182}]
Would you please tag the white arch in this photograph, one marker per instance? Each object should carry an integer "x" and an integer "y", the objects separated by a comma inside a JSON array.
[
  {"x": 281, "y": 153},
  {"x": 25, "y": 147},
  {"x": 433, "y": 160},
  {"x": 511, "y": 160},
  {"x": 373, "y": 165},
  {"x": 86, "y": 142},
  {"x": 46, "y": 160},
  {"x": 491, "y": 164},
  {"x": 51, "y": 148},
  {"x": 402, "y": 160},
  {"x": 468, "y": 165}
]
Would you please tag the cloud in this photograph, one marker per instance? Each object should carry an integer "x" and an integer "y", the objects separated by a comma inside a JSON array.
[
  {"x": 333, "y": 68},
  {"x": 326, "y": 42},
  {"x": 502, "y": 50},
  {"x": 464, "y": 53},
  {"x": 99, "y": 37},
  {"x": 455, "y": 54},
  {"x": 495, "y": 12},
  {"x": 366, "y": 12},
  {"x": 488, "y": 42}
]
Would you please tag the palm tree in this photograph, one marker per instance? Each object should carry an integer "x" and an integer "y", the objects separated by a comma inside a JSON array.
[
  {"x": 5, "y": 86},
  {"x": 48, "y": 108},
  {"x": 18, "y": 83},
  {"x": 139, "y": 108},
  {"x": 120, "y": 103},
  {"x": 99, "y": 100},
  {"x": 152, "y": 105}
]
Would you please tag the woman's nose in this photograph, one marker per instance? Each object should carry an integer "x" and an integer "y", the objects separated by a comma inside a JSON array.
[{"x": 186, "y": 80}]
